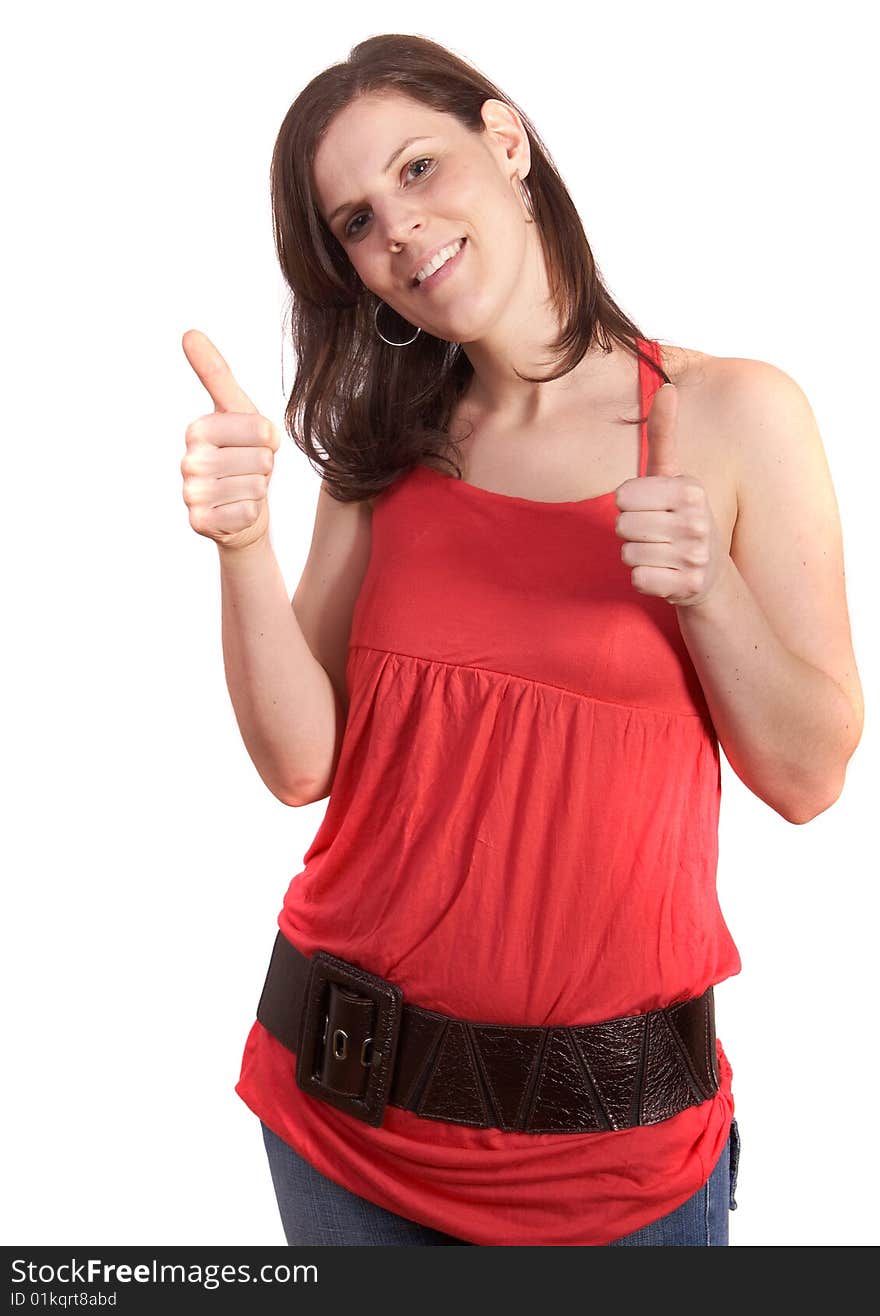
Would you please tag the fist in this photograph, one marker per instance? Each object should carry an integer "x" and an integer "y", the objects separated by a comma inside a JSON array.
[
  {"x": 672, "y": 541},
  {"x": 230, "y": 455}
]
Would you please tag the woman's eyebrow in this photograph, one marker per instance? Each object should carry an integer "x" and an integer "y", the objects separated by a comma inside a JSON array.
[{"x": 346, "y": 205}]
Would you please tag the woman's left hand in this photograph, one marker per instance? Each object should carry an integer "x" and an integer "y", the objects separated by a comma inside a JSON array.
[{"x": 672, "y": 540}]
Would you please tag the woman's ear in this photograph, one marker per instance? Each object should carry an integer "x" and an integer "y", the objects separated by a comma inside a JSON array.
[{"x": 503, "y": 124}]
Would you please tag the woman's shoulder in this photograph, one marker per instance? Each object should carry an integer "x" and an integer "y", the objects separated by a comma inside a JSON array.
[
  {"x": 705, "y": 384},
  {"x": 712, "y": 388},
  {"x": 685, "y": 366},
  {"x": 708, "y": 376}
]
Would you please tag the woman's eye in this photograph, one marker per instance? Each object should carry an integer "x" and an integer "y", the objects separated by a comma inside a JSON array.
[
  {"x": 425, "y": 159},
  {"x": 350, "y": 230}
]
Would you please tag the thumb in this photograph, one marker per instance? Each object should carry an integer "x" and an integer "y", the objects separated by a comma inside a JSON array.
[
  {"x": 212, "y": 370},
  {"x": 662, "y": 439}
]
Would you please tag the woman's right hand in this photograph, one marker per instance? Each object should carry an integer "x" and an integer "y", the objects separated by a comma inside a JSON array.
[{"x": 230, "y": 455}]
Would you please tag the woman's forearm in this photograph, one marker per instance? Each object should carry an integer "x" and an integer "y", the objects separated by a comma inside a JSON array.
[
  {"x": 786, "y": 728},
  {"x": 289, "y": 715}
]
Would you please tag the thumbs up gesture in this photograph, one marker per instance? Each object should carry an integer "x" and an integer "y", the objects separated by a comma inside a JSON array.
[
  {"x": 671, "y": 538},
  {"x": 230, "y": 455}
]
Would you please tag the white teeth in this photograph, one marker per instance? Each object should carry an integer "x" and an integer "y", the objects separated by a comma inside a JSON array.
[{"x": 440, "y": 259}]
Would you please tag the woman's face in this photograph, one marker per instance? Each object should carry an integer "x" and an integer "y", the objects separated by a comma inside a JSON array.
[{"x": 453, "y": 184}]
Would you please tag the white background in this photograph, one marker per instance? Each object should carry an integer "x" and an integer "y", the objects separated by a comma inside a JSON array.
[{"x": 723, "y": 161}]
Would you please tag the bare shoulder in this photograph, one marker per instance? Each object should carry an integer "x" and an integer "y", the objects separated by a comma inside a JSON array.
[
  {"x": 686, "y": 366},
  {"x": 756, "y": 411},
  {"x": 738, "y": 416},
  {"x": 702, "y": 381},
  {"x": 724, "y": 384},
  {"x": 733, "y": 403}
]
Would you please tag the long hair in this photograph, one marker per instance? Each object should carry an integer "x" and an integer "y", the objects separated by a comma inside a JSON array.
[{"x": 362, "y": 411}]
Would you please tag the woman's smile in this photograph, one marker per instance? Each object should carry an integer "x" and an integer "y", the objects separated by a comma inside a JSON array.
[{"x": 445, "y": 271}]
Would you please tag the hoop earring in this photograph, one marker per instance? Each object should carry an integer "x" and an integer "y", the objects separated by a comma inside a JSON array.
[
  {"x": 388, "y": 340},
  {"x": 527, "y": 200}
]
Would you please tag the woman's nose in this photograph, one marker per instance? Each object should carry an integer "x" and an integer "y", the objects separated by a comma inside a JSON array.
[{"x": 398, "y": 223}]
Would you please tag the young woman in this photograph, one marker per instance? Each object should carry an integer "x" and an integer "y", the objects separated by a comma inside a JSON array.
[{"x": 540, "y": 592}]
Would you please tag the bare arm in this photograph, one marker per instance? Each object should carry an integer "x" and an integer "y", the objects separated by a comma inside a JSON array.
[
  {"x": 289, "y": 714},
  {"x": 772, "y": 644},
  {"x": 285, "y": 661}
]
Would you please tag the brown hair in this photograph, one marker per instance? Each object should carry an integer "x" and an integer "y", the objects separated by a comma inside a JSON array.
[{"x": 376, "y": 410}]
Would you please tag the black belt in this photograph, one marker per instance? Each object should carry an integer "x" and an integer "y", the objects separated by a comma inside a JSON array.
[{"x": 360, "y": 1046}]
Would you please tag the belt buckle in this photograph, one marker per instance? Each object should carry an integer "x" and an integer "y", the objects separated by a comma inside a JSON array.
[{"x": 349, "y": 1027}]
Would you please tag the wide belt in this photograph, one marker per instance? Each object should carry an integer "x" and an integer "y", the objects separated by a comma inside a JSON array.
[{"x": 359, "y": 1046}]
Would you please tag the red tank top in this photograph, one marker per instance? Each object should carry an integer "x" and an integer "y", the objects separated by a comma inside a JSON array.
[{"x": 523, "y": 828}]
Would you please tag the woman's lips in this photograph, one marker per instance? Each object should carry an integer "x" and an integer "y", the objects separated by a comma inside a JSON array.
[{"x": 445, "y": 269}]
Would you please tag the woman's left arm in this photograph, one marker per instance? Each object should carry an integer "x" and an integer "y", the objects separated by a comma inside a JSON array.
[{"x": 771, "y": 640}]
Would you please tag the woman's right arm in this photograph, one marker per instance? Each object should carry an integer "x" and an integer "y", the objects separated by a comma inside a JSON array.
[{"x": 285, "y": 660}]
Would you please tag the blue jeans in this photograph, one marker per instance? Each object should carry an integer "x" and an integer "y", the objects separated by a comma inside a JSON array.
[{"x": 316, "y": 1211}]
